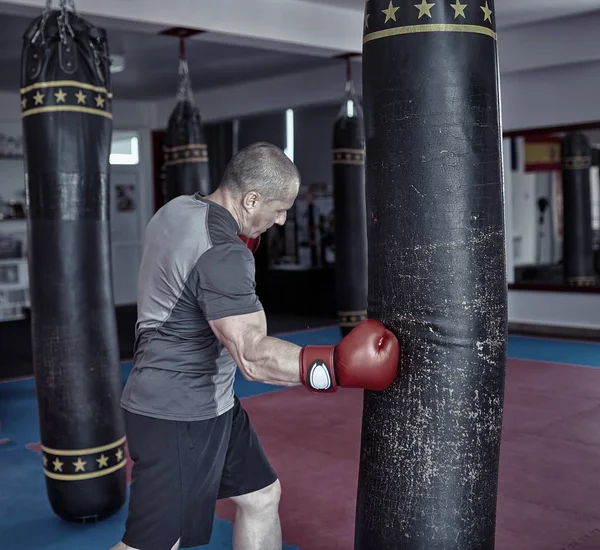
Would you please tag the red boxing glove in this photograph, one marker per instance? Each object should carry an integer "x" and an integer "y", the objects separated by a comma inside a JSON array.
[
  {"x": 252, "y": 244},
  {"x": 366, "y": 358}
]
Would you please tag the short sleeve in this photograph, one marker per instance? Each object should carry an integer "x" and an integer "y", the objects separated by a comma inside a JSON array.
[{"x": 226, "y": 283}]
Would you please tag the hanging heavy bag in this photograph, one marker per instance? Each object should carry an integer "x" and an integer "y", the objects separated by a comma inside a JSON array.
[
  {"x": 578, "y": 242},
  {"x": 350, "y": 210},
  {"x": 67, "y": 127},
  {"x": 428, "y": 475},
  {"x": 185, "y": 150}
]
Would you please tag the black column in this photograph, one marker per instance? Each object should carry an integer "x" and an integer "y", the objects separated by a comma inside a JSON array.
[
  {"x": 66, "y": 104},
  {"x": 578, "y": 251},
  {"x": 437, "y": 276}
]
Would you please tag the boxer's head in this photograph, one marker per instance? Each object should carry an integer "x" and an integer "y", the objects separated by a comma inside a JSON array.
[{"x": 261, "y": 183}]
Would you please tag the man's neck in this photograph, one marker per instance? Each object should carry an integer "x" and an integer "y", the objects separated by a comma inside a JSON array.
[{"x": 224, "y": 200}]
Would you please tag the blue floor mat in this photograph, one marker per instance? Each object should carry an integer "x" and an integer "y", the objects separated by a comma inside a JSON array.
[
  {"x": 26, "y": 519},
  {"x": 554, "y": 351}
]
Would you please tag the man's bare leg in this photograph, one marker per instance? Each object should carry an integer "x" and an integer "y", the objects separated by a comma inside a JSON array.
[
  {"x": 122, "y": 546},
  {"x": 257, "y": 525}
]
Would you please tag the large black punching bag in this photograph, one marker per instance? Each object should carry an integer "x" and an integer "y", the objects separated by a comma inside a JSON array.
[
  {"x": 67, "y": 129},
  {"x": 185, "y": 149},
  {"x": 350, "y": 210},
  {"x": 437, "y": 276},
  {"x": 578, "y": 249}
]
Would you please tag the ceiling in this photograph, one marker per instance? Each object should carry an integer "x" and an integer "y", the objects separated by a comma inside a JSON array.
[
  {"x": 509, "y": 12},
  {"x": 151, "y": 62}
]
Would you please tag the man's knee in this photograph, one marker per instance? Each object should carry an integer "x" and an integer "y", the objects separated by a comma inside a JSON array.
[{"x": 259, "y": 502}]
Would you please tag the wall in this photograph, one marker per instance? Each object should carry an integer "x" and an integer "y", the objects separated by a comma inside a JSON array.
[
  {"x": 540, "y": 98},
  {"x": 127, "y": 228}
]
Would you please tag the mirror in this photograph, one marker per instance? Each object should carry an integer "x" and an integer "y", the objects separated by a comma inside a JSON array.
[{"x": 550, "y": 221}]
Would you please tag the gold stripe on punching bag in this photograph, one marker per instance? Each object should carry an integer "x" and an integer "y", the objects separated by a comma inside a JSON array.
[
  {"x": 349, "y": 156},
  {"x": 351, "y": 318},
  {"x": 81, "y": 464},
  {"x": 65, "y": 96},
  {"x": 66, "y": 104},
  {"x": 430, "y": 443},
  {"x": 193, "y": 152}
]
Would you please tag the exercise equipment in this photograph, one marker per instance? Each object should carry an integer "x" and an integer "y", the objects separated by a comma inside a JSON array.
[
  {"x": 430, "y": 444},
  {"x": 578, "y": 249},
  {"x": 350, "y": 210},
  {"x": 185, "y": 150},
  {"x": 66, "y": 105}
]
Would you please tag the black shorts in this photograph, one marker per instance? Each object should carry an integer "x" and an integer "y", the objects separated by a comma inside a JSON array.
[{"x": 180, "y": 469}]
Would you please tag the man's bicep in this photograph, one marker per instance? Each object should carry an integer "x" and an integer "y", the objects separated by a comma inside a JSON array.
[
  {"x": 226, "y": 284},
  {"x": 240, "y": 333}
]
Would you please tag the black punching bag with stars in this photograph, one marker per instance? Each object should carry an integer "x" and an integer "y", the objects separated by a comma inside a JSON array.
[
  {"x": 67, "y": 130},
  {"x": 578, "y": 245},
  {"x": 349, "y": 204},
  {"x": 437, "y": 278},
  {"x": 185, "y": 149}
]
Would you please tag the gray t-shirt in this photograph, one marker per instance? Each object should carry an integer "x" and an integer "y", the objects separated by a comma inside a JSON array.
[{"x": 195, "y": 268}]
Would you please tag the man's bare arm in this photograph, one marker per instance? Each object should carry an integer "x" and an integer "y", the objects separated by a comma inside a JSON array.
[{"x": 261, "y": 358}]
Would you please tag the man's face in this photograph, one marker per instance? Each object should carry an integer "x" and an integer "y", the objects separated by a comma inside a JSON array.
[{"x": 263, "y": 215}]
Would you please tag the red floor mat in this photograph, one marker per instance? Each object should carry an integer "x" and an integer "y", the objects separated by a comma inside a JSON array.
[{"x": 549, "y": 465}]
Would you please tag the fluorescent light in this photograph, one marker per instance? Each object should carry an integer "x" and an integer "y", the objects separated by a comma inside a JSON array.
[
  {"x": 350, "y": 108},
  {"x": 289, "y": 134}
]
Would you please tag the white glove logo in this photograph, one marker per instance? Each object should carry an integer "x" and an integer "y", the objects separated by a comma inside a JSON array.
[{"x": 319, "y": 377}]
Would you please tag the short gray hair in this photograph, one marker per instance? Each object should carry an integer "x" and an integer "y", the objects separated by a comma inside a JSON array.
[{"x": 261, "y": 167}]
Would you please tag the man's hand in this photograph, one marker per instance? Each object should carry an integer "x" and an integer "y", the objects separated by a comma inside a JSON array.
[{"x": 366, "y": 358}]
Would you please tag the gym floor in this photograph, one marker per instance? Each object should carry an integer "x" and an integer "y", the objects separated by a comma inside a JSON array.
[{"x": 549, "y": 467}]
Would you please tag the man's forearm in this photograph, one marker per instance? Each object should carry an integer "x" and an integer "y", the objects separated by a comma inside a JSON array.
[{"x": 273, "y": 361}]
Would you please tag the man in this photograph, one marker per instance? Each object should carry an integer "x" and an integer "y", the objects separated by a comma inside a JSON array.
[{"x": 198, "y": 320}]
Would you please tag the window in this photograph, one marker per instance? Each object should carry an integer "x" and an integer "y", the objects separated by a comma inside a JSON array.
[{"x": 125, "y": 148}]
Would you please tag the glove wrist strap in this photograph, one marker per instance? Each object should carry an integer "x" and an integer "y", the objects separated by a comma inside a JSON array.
[{"x": 318, "y": 372}]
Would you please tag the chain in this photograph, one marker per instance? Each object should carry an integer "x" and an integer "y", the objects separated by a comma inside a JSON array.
[
  {"x": 185, "y": 83},
  {"x": 63, "y": 21}
]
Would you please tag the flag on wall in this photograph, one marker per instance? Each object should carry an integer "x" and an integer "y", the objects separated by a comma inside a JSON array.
[{"x": 542, "y": 154}]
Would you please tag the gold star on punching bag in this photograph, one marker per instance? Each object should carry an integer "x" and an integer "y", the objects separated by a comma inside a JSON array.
[
  {"x": 39, "y": 98},
  {"x": 459, "y": 9},
  {"x": 390, "y": 13},
  {"x": 60, "y": 96},
  {"x": 80, "y": 97},
  {"x": 79, "y": 465},
  {"x": 487, "y": 13},
  {"x": 424, "y": 8},
  {"x": 102, "y": 461},
  {"x": 99, "y": 101}
]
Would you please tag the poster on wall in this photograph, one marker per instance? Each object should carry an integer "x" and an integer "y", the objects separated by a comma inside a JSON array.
[{"x": 125, "y": 196}]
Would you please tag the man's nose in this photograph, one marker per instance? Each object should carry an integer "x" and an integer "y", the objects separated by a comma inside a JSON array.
[{"x": 280, "y": 220}]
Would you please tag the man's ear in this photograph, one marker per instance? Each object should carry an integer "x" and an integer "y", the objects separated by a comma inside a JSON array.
[{"x": 250, "y": 200}]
